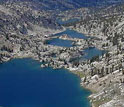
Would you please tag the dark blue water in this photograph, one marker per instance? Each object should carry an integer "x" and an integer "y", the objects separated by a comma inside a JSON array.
[
  {"x": 24, "y": 84},
  {"x": 60, "y": 42},
  {"x": 89, "y": 53},
  {"x": 92, "y": 52},
  {"x": 73, "y": 34}
]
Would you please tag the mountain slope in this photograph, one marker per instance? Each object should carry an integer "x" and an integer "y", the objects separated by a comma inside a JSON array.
[{"x": 69, "y": 4}]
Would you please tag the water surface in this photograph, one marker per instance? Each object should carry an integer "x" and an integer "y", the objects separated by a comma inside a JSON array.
[
  {"x": 92, "y": 52},
  {"x": 60, "y": 42},
  {"x": 89, "y": 53},
  {"x": 72, "y": 34},
  {"x": 24, "y": 84}
]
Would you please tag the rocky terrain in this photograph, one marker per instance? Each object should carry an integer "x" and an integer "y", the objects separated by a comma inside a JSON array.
[
  {"x": 105, "y": 77},
  {"x": 25, "y": 26},
  {"x": 19, "y": 22}
]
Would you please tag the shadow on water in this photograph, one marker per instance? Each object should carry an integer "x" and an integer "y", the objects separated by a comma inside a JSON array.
[
  {"x": 92, "y": 52},
  {"x": 60, "y": 42}
]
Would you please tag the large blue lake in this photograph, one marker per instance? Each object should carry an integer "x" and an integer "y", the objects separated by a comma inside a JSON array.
[{"x": 24, "y": 84}]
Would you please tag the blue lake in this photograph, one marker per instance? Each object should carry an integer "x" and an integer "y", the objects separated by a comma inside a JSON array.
[
  {"x": 60, "y": 42},
  {"x": 24, "y": 84},
  {"x": 92, "y": 52},
  {"x": 66, "y": 43},
  {"x": 72, "y": 33},
  {"x": 89, "y": 53}
]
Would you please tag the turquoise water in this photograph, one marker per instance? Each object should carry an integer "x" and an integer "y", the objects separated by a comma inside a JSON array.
[
  {"x": 72, "y": 33},
  {"x": 24, "y": 84},
  {"x": 60, "y": 42}
]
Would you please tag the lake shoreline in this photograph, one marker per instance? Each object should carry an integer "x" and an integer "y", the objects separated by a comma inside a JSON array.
[
  {"x": 56, "y": 69},
  {"x": 55, "y": 63},
  {"x": 71, "y": 71}
]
